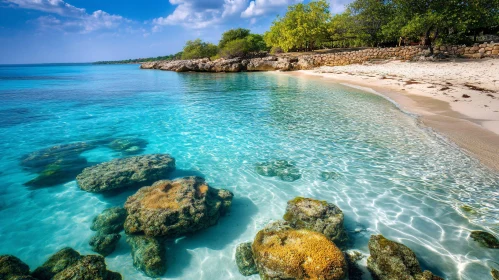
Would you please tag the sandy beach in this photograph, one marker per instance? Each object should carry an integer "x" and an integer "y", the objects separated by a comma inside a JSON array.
[{"x": 459, "y": 98}]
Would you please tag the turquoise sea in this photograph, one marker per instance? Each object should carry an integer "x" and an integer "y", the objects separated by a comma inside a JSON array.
[{"x": 394, "y": 176}]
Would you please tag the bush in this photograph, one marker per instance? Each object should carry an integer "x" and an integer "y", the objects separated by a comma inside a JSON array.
[{"x": 198, "y": 49}]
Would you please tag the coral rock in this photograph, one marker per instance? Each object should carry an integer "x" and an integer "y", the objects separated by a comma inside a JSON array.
[
  {"x": 111, "y": 220},
  {"x": 127, "y": 172},
  {"x": 173, "y": 208},
  {"x": 148, "y": 254},
  {"x": 11, "y": 267},
  {"x": 104, "y": 244},
  {"x": 244, "y": 259},
  {"x": 281, "y": 252},
  {"x": 88, "y": 267},
  {"x": 56, "y": 263},
  {"x": 320, "y": 216}
]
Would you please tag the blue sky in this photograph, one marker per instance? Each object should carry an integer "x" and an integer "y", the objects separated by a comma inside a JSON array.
[{"x": 44, "y": 31}]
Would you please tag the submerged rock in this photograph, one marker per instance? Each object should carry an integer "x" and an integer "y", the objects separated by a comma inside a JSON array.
[
  {"x": 56, "y": 174},
  {"x": 283, "y": 169},
  {"x": 390, "y": 260},
  {"x": 485, "y": 239},
  {"x": 173, "y": 208},
  {"x": 244, "y": 259},
  {"x": 281, "y": 252},
  {"x": 65, "y": 154},
  {"x": 128, "y": 146},
  {"x": 148, "y": 254},
  {"x": 11, "y": 266},
  {"x": 354, "y": 272},
  {"x": 330, "y": 175},
  {"x": 111, "y": 220},
  {"x": 126, "y": 172},
  {"x": 56, "y": 263},
  {"x": 495, "y": 274},
  {"x": 316, "y": 215},
  {"x": 88, "y": 267},
  {"x": 104, "y": 244}
]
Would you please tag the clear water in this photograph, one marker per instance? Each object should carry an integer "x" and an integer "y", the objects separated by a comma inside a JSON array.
[{"x": 397, "y": 178}]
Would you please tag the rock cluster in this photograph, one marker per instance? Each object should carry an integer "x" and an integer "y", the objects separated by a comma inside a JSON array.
[
  {"x": 66, "y": 264},
  {"x": 174, "y": 208},
  {"x": 319, "y": 216},
  {"x": 283, "y": 169},
  {"x": 390, "y": 260},
  {"x": 281, "y": 252},
  {"x": 126, "y": 172}
]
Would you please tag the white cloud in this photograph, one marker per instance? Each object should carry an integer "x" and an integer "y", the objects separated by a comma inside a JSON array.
[
  {"x": 263, "y": 7},
  {"x": 72, "y": 19},
  {"x": 199, "y": 14}
]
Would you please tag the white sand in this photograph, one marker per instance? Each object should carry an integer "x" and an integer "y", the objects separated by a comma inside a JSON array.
[{"x": 435, "y": 91}]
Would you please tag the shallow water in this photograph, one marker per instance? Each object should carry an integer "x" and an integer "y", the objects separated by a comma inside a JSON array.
[{"x": 396, "y": 177}]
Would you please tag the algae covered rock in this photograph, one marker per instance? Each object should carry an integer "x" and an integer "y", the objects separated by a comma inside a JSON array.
[
  {"x": 485, "y": 239},
  {"x": 65, "y": 154},
  {"x": 104, "y": 244},
  {"x": 56, "y": 263},
  {"x": 58, "y": 173},
  {"x": 390, "y": 260},
  {"x": 148, "y": 254},
  {"x": 173, "y": 208},
  {"x": 495, "y": 274},
  {"x": 283, "y": 169},
  {"x": 244, "y": 259},
  {"x": 128, "y": 146},
  {"x": 11, "y": 267},
  {"x": 126, "y": 172},
  {"x": 281, "y": 252},
  {"x": 316, "y": 215},
  {"x": 111, "y": 220},
  {"x": 88, "y": 267}
]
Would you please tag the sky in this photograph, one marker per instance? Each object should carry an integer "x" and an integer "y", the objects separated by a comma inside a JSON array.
[{"x": 58, "y": 31}]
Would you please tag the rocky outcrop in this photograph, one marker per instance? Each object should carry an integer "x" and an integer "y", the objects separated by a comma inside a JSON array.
[
  {"x": 148, "y": 254},
  {"x": 283, "y": 169},
  {"x": 281, "y": 252},
  {"x": 316, "y": 215},
  {"x": 12, "y": 267},
  {"x": 174, "y": 208},
  {"x": 128, "y": 146},
  {"x": 104, "y": 244},
  {"x": 56, "y": 263},
  {"x": 244, "y": 259},
  {"x": 111, "y": 220},
  {"x": 88, "y": 267},
  {"x": 126, "y": 172},
  {"x": 390, "y": 260},
  {"x": 485, "y": 239}
]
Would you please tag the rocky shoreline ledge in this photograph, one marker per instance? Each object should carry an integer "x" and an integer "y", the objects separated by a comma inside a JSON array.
[{"x": 311, "y": 61}]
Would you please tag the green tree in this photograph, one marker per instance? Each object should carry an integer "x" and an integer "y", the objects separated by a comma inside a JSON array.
[
  {"x": 369, "y": 17},
  {"x": 199, "y": 49},
  {"x": 233, "y": 34}
]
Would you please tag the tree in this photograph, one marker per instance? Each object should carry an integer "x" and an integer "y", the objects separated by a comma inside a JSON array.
[
  {"x": 369, "y": 16},
  {"x": 199, "y": 49},
  {"x": 233, "y": 34}
]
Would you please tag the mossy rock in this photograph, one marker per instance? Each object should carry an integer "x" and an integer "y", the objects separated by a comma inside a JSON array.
[
  {"x": 128, "y": 146},
  {"x": 148, "y": 254},
  {"x": 111, "y": 220},
  {"x": 65, "y": 154},
  {"x": 56, "y": 174},
  {"x": 485, "y": 239},
  {"x": 281, "y": 252},
  {"x": 174, "y": 208},
  {"x": 56, "y": 263},
  {"x": 11, "y": 266},
  {"x": 88, "y": 267},
  {"x": 495, "y": 274},
  {"x": 244, "y": 259},
  {"x": 104, "y": 244},
  {"x": 319, "y": 216}
]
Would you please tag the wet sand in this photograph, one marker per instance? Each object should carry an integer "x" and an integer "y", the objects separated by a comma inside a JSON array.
[{"x": 436, "y": 93}]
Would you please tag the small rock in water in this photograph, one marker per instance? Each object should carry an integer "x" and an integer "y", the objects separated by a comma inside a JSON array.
[
  {"x": 330, "y": 175},
  {"x": 319, "y": 216},
  {"x": 390, "y": 260},
  {"x": 56, "y": 263},
  {"x": 281, "y": 252},
  {"x": 66, "y": 154},
  {"x": 111, "y": 220},
  {"x": 104, "y": 244},
  {"x": 88, "y": 267},
  {"x": 174, "y": 208},
  {"x": 495, "y": 274},
  {"x": 56, "y": 174},
  {"x": 283, "y": 169},
  {"x": 135, "y": 171},
  {"x": 485, "y": 239},
  {"x": 128, "y": 146},
  {"x": 244, "y": 259},
  {"x": 148, "y": 254},
  {"x": 11, "y": 266}
]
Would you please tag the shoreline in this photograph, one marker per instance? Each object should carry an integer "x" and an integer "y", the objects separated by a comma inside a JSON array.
[{"x": 475, "y": 132}]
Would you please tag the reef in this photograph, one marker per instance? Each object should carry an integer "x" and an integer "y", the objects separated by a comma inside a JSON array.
[{"x": 284, "y": 170}]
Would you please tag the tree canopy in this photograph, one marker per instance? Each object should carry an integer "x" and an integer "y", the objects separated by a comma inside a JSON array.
[{"x": 199, "y": 49}]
